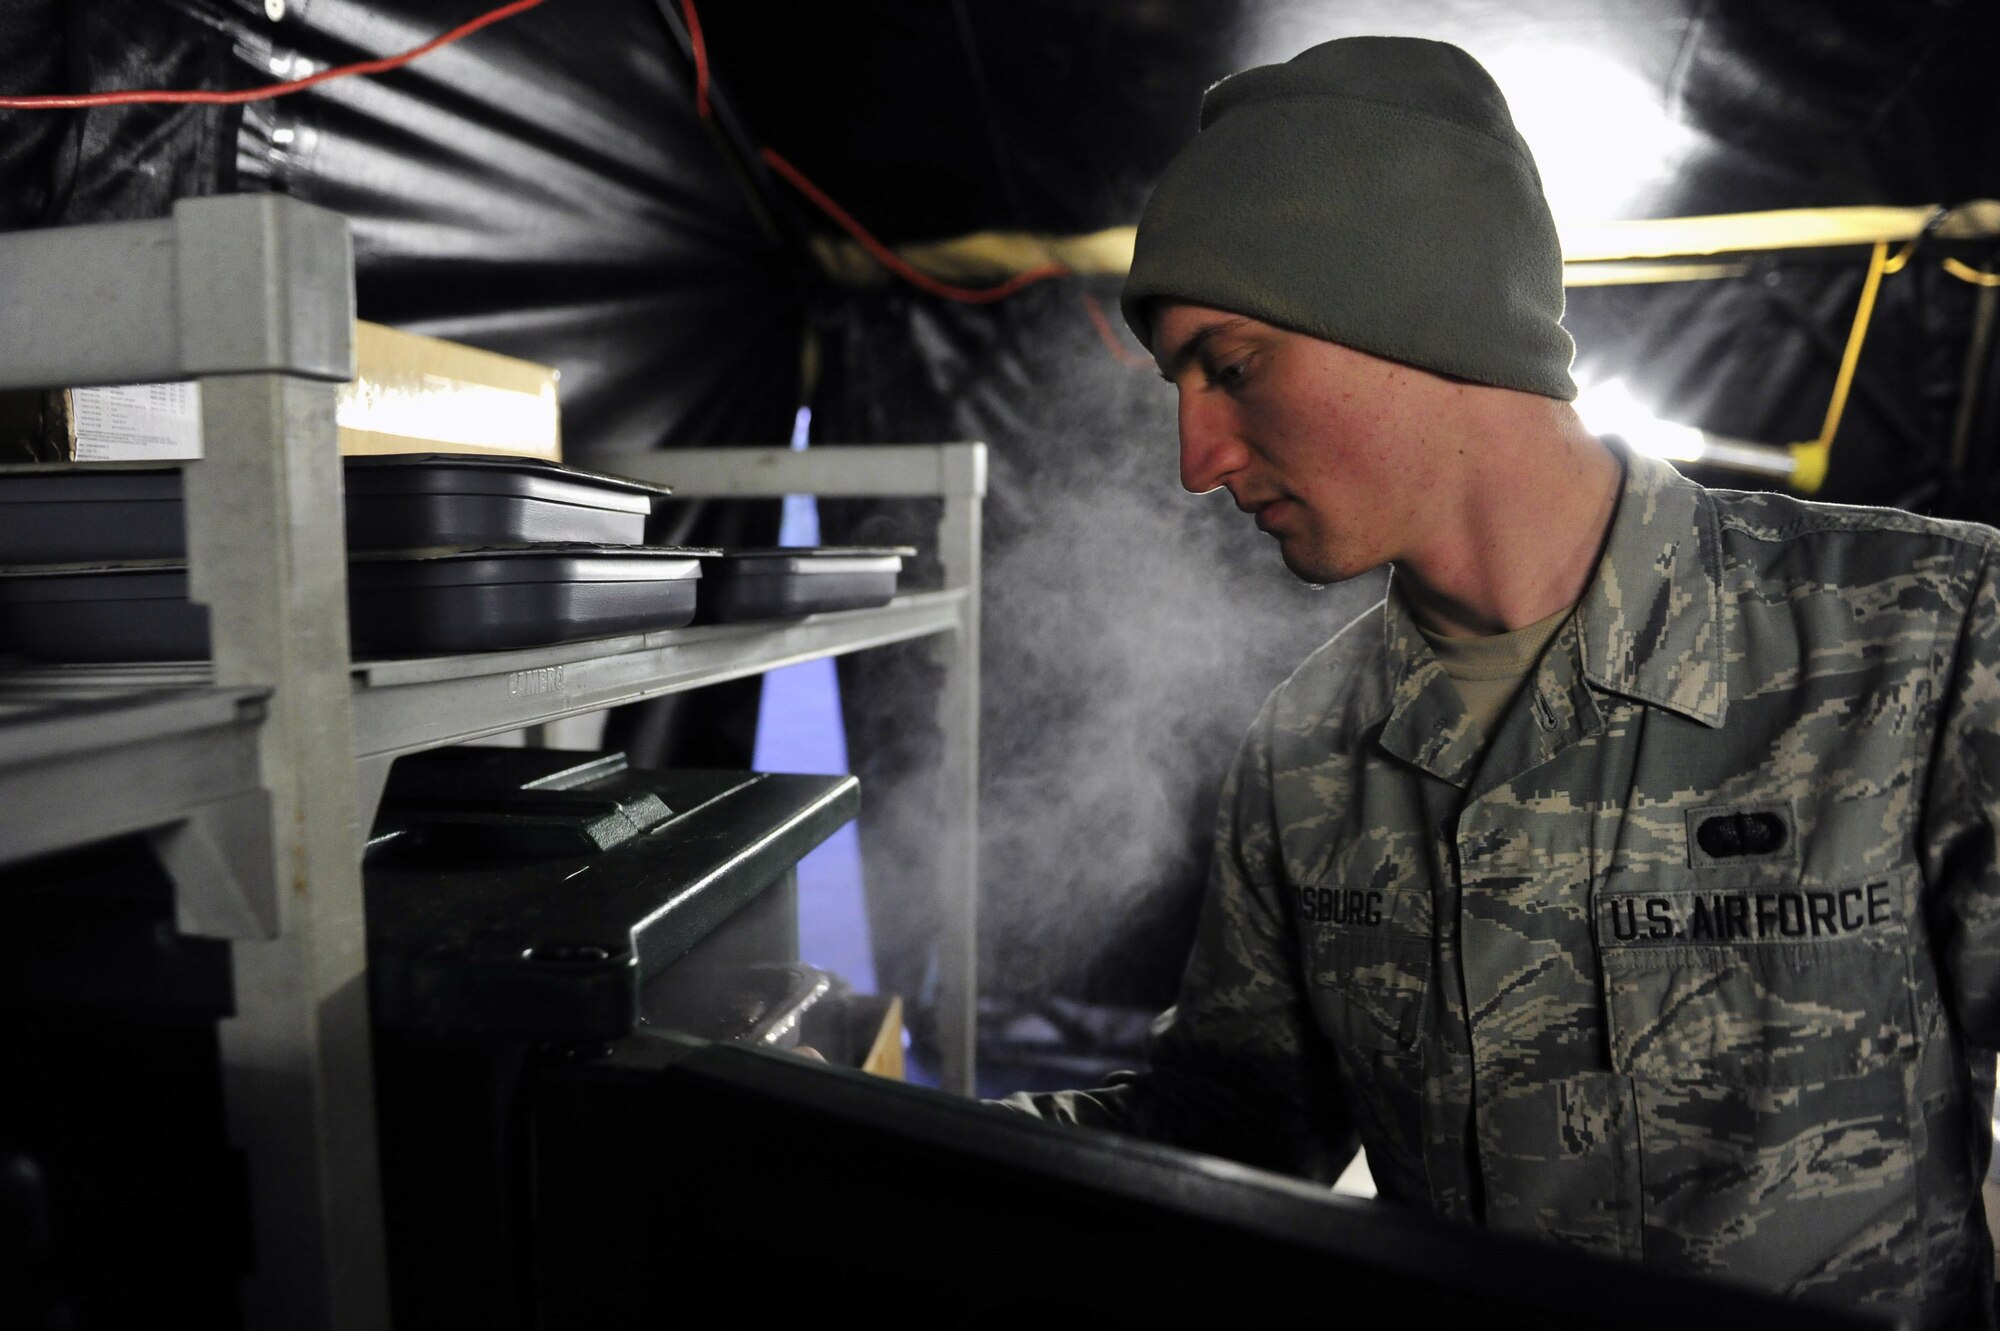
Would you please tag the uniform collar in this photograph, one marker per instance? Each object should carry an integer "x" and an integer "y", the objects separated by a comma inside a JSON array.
[
  {"x": 1651, "y": 621},
  {"x": 1649, "y": 627},
  {"x": 1428, "y": 724}
]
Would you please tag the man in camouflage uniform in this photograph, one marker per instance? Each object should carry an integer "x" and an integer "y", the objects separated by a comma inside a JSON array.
[{"x": 1682, "y": 951}]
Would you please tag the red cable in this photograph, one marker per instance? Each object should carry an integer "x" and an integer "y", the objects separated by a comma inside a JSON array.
[
  {"x": 70, "y": 101},
  {"x": 895, "y": 262},
  {"x": 883, "y": 255},
  {"x": 1109, "y": 336},
  {"x": 700, "y": 47}
]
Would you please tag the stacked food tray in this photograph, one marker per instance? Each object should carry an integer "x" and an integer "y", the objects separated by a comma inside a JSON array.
[
  {"x": 741, "y": 585},
  {"x": 447, "y": 553}
]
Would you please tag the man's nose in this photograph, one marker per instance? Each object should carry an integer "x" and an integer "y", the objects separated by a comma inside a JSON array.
[{"x": 1210, "y": 450}]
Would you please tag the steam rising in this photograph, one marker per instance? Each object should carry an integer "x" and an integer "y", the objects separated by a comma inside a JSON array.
[{"x": 1131, "y": 632}]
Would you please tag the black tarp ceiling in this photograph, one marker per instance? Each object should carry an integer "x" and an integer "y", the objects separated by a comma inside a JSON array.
[{"x": 546, "y": 189}]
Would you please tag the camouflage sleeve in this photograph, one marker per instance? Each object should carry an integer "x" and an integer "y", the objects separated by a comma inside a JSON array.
[
  {"x": 1237, "y": 1068},
  {"x": 1961, "y": 832}
]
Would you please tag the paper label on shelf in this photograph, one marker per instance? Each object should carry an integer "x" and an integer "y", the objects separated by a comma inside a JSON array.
[{"x": 137, "y": 422}]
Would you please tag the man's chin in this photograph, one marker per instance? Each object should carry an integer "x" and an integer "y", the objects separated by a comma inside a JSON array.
[{"x": 1314, "y": 566}]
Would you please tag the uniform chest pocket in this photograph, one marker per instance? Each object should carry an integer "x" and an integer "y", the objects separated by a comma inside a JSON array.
[
  {"x": 1767, "y": 986},
  {"x": 1368, "y": 957}
]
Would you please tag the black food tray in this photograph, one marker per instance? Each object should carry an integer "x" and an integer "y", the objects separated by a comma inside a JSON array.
[
  {"x": 485, "y": 600},
  {"x": 63, "y": 513},
  {"x": 68, "y": 513},
  {"x": 405, "y": 501},
  {"x": 744, "y": 585},
  {"x": 133, "y": 613},
  {"x": 403, "y": 603}
]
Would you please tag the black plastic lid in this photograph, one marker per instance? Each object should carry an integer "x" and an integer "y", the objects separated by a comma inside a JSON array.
[
  {"x": 479, "y": 473},
  {"x": 147, "y": 579},
  {"x": 135, "y": 580},
  {"x": 387, "y": 473},
  {"x": 821, "y": 551},
  {"x": 91, "y": 482},
  {"x": 524, "y": 563}
]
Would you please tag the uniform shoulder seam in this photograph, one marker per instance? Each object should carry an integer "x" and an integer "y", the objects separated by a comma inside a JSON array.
[
  {"x": 1345, "y": 638},
  {"x": 1348, "y": 641},
  {"x": 1794, "y": 518}
]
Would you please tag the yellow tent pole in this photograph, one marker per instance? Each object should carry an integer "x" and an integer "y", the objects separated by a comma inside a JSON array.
[{"x": 1810, "y": 459}]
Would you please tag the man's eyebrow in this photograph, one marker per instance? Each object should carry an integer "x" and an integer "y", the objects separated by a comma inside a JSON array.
[{"x": 1192, "y": 347}]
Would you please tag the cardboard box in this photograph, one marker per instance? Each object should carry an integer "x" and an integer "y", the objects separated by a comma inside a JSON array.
[
  {"x": 413, "y": 394},
  {"x": 885, "y": 1052},
  {"x": 851, "y": 1030},
  {"x": 418, "y": 394}
]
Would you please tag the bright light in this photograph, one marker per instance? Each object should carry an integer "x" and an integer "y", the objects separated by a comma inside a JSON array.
[
  {"x": 1599, "y": 130},
  {"x": 1610, "y": 408}
]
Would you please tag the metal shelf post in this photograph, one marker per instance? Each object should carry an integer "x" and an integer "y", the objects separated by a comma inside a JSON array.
[{"x": 253, "y": 296}]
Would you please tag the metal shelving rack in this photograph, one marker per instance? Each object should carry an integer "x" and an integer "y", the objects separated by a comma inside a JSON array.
[{"x": 254, "y": 774}]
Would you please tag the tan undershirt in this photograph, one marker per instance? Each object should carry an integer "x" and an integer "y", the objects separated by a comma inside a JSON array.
[{"x": 1489, "y": 671}]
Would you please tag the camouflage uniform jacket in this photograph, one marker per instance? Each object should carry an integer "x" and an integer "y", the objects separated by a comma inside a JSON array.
[{"x": 1684, "y": 965}]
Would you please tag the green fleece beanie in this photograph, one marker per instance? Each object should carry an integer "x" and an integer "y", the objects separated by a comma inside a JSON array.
[{"x": 1371, "y": 191}]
